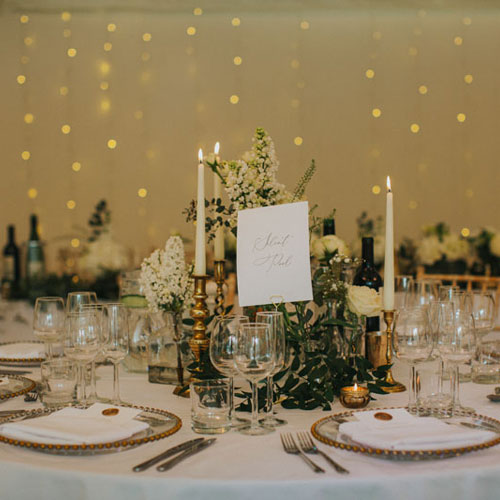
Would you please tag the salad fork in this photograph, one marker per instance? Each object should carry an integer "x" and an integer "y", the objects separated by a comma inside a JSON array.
[
  {"x": 291, "y": 447},
  {"x": 307, "y": 444}
]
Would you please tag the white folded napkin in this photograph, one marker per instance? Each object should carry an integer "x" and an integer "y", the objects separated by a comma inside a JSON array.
[
  {"x": 408, "y": 432},
  {"x": 25, "y": 350},
  {"x": 4, "y": 380},
  {"x": 75, "y": 426}
]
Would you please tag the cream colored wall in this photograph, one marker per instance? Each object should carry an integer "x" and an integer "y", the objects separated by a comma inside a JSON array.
[{"x": 295, "y": 82}]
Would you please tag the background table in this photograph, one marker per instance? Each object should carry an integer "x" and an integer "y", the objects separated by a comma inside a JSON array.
[{"x": 241, "y": 467}]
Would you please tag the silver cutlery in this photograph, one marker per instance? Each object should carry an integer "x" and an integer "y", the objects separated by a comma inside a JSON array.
[
  {"x": 291, "y": 447},
  {"x": 307, "y": 444},
  {"x": 189, "y": 452},
  {"x": 13, "y": 372},
  {"x": 168, "y": 453},
  {"x": 31, "y": 397}
]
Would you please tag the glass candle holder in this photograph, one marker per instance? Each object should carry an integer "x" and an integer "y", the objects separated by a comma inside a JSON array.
[{"x": 354, "y": 397}]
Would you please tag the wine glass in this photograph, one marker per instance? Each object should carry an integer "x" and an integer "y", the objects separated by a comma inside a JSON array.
[
  {"x": 413, "y": 343},
  {"x": 82, "y": 343},
  {"x": 425, "y": 292},
  {"x": 222, "y": 347},
  {"x": 75, "y": 300},
  {"x": 277, "y": 325},
  {"x": 115, "y": 341},
  {"x": 483, "y": 310},
  {"x": 446, "y": 291},
  {"x": 254, "y": 358},
  {"x": 403, "y": 291},
  {"x": 48, "y": 321},
  {"x": 457, "y": 345}
]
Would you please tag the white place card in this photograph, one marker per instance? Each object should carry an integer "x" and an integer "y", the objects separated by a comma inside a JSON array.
[{"x": 273, "y": 254}]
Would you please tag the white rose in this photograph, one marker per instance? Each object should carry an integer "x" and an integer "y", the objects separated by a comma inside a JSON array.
[
  {"x": 495, "y": 245},
  {"x": 318, "y": 249},
  {"x": 332, "y": 243},
  {"x": 364, "y": 301},
  {"x": 455, "y": 248},
  {"x": 429, "y": 250}
]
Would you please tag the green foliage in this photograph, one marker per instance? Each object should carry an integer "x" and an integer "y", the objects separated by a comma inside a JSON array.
[
  {"x": 300, "y": 189},
  {"x": 100, "y": 218}
]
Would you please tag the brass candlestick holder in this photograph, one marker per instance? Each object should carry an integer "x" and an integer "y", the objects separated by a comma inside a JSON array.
[
  {"x": 219, "y": 277},
  {"x": 199, "y": 342},
  {"x": 397, "y": 386}
]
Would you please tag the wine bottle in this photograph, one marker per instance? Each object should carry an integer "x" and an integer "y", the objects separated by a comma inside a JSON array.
[
  {"x": 35, "y": 263},
  {"x": 11, "y": 272},
  {"x": 367, "y": 275},
  {"x": 328, "y": 226}
]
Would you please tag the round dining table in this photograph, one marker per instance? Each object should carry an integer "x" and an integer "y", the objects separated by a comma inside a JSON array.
[{"x": 239, "y": 466}]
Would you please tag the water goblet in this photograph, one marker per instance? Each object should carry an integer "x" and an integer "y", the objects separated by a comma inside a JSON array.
[
  {"x": 277, "y": 325},
  {"x": 48, "y": 321},
  {"x": 75, "y": 300},
  {"x": 403, "y": 290},
  {"x": 254, "y": 358},
  {"x": 222, "y": 348}
]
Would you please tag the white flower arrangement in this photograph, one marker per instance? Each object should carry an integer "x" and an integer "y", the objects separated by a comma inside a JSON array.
[
  {"x": 455, "y": 248},
  {"x": 328, "y": 246},
  {"x": 429, "y": 250},
  {"x": 363, "y": 301},
  {"x": 166, "y": 279},
  {"x": 104, "y": 254},
  {"x": 495, "y": 244}
]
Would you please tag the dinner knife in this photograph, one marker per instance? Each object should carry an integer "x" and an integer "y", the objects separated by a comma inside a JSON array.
[
  {"x": 13, "y": 372},
  {"x": 168, "y": 453},
  {"x": 191, "y": 451}
]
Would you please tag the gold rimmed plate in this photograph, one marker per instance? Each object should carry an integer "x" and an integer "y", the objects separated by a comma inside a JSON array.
[
  {"x": 161, "y": 424},
  {"x": 11, "y": 353},
  {"x": 12, "y": 386},
  {"x": 326, "y": 430}
]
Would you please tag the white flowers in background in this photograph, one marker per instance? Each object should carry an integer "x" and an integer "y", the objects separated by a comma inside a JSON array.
[
  {"x": 495, "y": 245},
  {"x": 429, "y": 250},
  {"x": 454, "y": 247},
  {"x": 104, "y": 254},
  {"x": 328, "y": 246},
  {"x": 363, "y": 301},
  {"x": 251, "y": 181},
  {"x": 166, "y": 279}
]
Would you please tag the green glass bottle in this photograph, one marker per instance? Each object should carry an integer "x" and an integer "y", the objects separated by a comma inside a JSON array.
[{"x": 35, "y": 262}]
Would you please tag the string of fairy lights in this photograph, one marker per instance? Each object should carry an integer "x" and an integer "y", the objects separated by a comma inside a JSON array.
[{"x": 370, "y": 71}]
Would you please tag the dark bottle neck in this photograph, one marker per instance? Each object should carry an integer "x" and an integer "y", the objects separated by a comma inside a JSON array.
[
  {"x": 11, "y": 230},
  {"x": 328, "y": 226},
  {"x": 367, "y": 252},
  {"x": 34, "y": 228}
]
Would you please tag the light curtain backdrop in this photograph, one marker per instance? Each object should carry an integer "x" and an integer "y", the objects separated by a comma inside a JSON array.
[{"x": 365, "y": 88}]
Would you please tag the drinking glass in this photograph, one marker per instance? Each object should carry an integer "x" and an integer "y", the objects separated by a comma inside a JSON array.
[
  {"x": 425, "y": 292},
  {"x": 413, "y": 344},
  {"x": 254, "y": 358},
  {"x": 115, "y": 341},
  {"x": 210, "y": 406},
  {"x": 58, "y": 382},
  {"x": 457, "y": 345},
  {"x": 48, "y": 321},
  {"x": 446, "y": 291},
  {"x": 82, "y": 343},
  {"x": 75, "y": 300},
  {"x": 483, "y": 310},
  {"x": 222, "y": 348},
  {"x": 277, "y": 324},
  {"x": 403, "y": 290}
]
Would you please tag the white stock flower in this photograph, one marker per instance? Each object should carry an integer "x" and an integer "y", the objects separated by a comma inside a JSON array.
[
  {"x": 495, "y": 245},
  {"x": 363, "y": 301},
  {"x": 429, "y": 250},
  {"x": 317, "y": 248},
  {"x": 455, "y": 248},
  {"x": 329, "y": 244}
]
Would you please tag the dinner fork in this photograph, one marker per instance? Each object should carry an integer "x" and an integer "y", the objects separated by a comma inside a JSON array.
[
  {"x": 307, "y": 444},
  {"x": 291, "y": 447}
]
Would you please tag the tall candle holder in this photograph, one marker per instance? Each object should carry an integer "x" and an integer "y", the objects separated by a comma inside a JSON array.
[
  {"x": 396, "y": 386},
  {"x": 219, "y": 277},
  {"x": 199, "y": 342}
]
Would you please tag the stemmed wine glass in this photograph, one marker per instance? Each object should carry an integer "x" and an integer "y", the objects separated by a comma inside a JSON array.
[
  {"x": 82, "y": 343},
  {"x": 403, "y": 291},
  {"x": 426, "y": 291},
  {"x": 413, "y": 343},
  {"x": 254, "y": 358},
  {"x": 222, "y": 348},
  {"x": 75, "y": 300},
  {"x": 48, "y": 321},
  {"x": 115, "y": 341},
  {"x": 457, "y": 344},
  {"x": 483, "y": 310},
  {"x": 277, "y": 325}
]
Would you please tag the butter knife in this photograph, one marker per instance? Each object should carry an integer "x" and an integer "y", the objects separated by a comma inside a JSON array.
[
  {"x": 168, "y": 453},
  {"x": 191, "y": 451}
]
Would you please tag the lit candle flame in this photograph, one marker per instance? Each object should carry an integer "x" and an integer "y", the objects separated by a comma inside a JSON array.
[
  {"x": 200, "y": 155},
  {"x": 355, "y": 386},
  {"x": 216, "y": 148},
  {"x": 389, "y": 189}
]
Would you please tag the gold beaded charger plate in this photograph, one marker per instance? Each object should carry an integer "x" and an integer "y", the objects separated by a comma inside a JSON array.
[
  {"x": 12, "y": 386},
  {"x": 19, "y": 360},
  {"x": 161, "y": 424},
  {"x": 326, "y": 430}
]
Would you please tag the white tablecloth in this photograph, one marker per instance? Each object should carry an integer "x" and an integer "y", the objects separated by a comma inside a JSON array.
[{"x": 243, "y": 467}]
